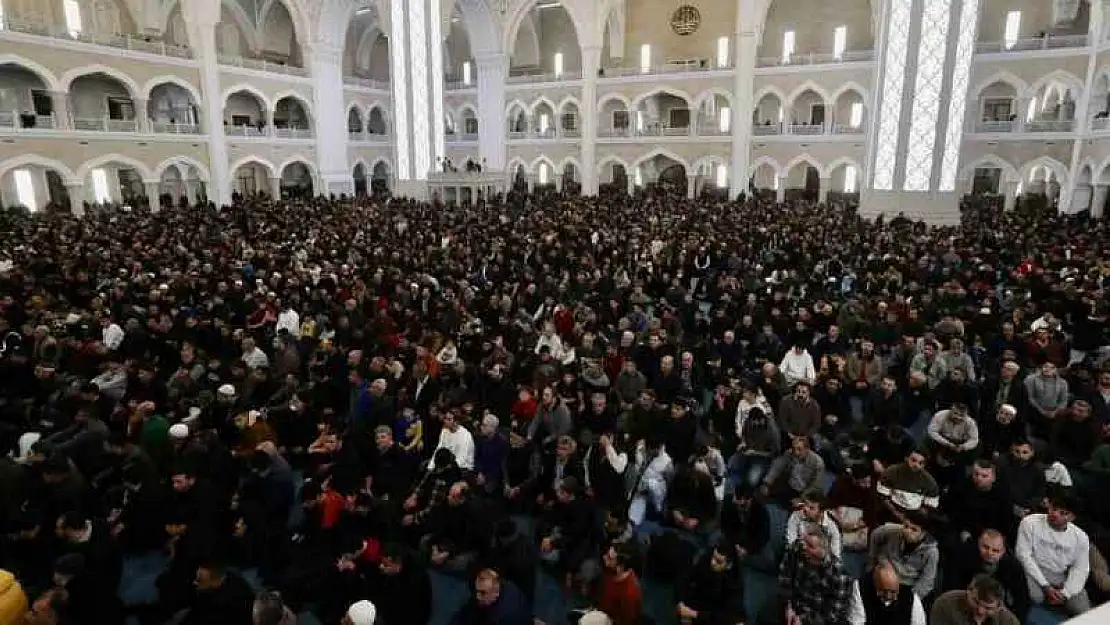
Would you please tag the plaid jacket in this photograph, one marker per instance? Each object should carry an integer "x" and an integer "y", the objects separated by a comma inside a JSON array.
[{"x": 821, "y": 594}]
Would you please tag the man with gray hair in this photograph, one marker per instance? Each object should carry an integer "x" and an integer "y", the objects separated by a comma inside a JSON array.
[
  {"x": 490, "y": 450},
  {"x": 813, "y": 587}
]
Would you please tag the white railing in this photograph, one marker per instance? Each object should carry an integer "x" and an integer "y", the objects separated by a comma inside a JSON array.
[
  {"x": 462, "y": 138},
  {"x": 123, "y": 42},
  {"x": 293, "y": 133},
  {"x": 369, "y": 83},
  {"x": 7, "y": 120},
  {"x": 355, "y": 135},
  {"x": 1002, "y": 125},
  {"x": 244, "y": 131},
  {"x": 1100, "y": 123},
  {"x": 457, "y": 84},
  {"x": 670, "y": 67},
  {"x": 98, "y": 124},
  {"x": 676, "y": 131},
  {"x": 846, "y": 129},
  {"x": 529, "y": 76},
  {"x": 806, "y": 129},
  {"x": 571, "y": 133},
  {"x": 518, "y": 134},
  {"x": 27, "y": 121},
  {"x": 377, "y": 137},
  {"x": 262, "y": 65},
  {"x": 1048, "y": 42},
  {"x": 123, "y": 125},
  {"x": 170, "y": 128},
  {"x": 766, "y": 130},
  {"x": 816, "y": 58},
  {"x": 1050, "y": 125}
]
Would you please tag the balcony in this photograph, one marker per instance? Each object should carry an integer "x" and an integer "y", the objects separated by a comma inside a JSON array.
[
  {"x": 816, "y": 58},
  {"x": 262, "y": 65},
  {"x": 1048, "y": 42},
  {"x": 525, "y": 76},
  {"x": 368, "y": 137},
  {"x": 551, "y": 134},
  {"x": 1014, "y": 126},
  {"x": 293, "y": 133},
  {"x": 245, "y": 131},
  {"x": 462, "y": 138},
  {"x": 995, "y": 126},
  {"x": 1053, "y": 125},
  {"x": 26, "y": 121},
  {"x": 122, "y": 42},
  {"x": 806, "y": 130},
  {"x": 677, "y": 66},
  {"x": 846, "y": 129},
  {"x": 104, "y": 124},
  {"x": 368, "y": 83},
  {"x": 175, "y": 129}
]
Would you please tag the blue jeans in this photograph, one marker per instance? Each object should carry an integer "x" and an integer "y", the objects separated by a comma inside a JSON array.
[{"x": 747, "y": 470}]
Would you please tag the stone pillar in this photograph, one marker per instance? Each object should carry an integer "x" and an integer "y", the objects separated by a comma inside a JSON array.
[
  {"x": 153, "y": 194},
  {"x": 823, "y": 192},
  {"x": 1010, "y": 189},
  {"x": 1098, "y": 200},
  {"x": 745, "y": 44},
  {"x": 631, "y": 185},
  {"x": 275, "y": 187},
  {"x": 190, "y": 191},
  {"x": 691, "y": 186},
  {"x": 780, "y": 192},
  {"x": 591, "y": 64},
  {"x": 922, "y": 74},
  {"x": 492, "y": 70},
  {"x": 1082, "y": 103},
  {"x": 60, "y": 101},
  {"x": 559, "y": 183},
  {"x": 531, "y": 183},
  {"x": 142, "y": 116},
  {"x": 77, "y": 197},
  {"x": 201, "y": 19},
  {"x": 330, "y": 117}
]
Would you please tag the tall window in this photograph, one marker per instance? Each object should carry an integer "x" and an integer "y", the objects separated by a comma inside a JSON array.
[
  {"x": 857, "y": 115},
  {"x": 722, "y": 176},
  {"x": 544, "y": 174},
  {"x": 639, "y": 121},
  {"x": 1013, "y": 28},
  {"x": 787, "y": 46},
  {"x": 544, "y": 122},
  {"x": 73, "y": 17},
  {"x": 645, "y": 58},
  {"x": 1, "y": 15},
  {"x": 840, "y": 41},
  {"x": 722, "y": 52},
  {"x": 638, "y": 177},
  {"x": 467, "y": 77},
  {"x": 724, "y": 118},
  {"x": 558, "y": 64},
  {"x": 850, "y": 179},
  {"x": 25, "y": 189},
  {"x": 100, "y": 186}
]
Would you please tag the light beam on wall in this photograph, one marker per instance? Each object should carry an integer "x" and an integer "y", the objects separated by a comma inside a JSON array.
[
  {"x": 399, "y": 80},
  {"x": 931, "y": 56},
  {"x": 421, "y": 131}
]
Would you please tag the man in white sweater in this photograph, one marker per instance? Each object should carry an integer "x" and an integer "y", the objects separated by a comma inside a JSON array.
[
  {"x": 797, "y": 366},
  {"x": 1055, "y": 554},
  {"x": 457, "y": 439}
]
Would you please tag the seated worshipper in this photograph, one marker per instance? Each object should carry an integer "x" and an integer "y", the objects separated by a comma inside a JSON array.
[
  {"x": 745, "y": 522},
  {"x": 88, "y": 601},
  {"x": 360, "y": 613},
  {"x": 651, "y": 476},
  {"x": 953, "y": 439},
  {"x": 566, "y": 529},
  {"x": 1024, "y": 479},
  {"x": 680, "y": 431},
  {"x": 522, "y": 471},
  {"x": 906, "y": 487},
  {"x": 494, "y": 601},
  {"x": 391, "y": 468},
  {"x": 811, "y": 511},
  {"x": 888, "y": 446},
  {"x": 513, "y": 554},
  {"x": 456, "y": 439},
  {"x": 691, "y": 499},
  {"x": 910, "y": 550},
  {"x": 1075, "y": 435},
  {"x": 432, "y": 488},
  {"x": 854, "y": 505},
  {"x": 400, "y": 588},
  {"x": 998, "y": 433},
  {"x": 977, "y": 503},
  {"x": 711, "y": 593},
  {"x": 813, "y": 586},
  {"x": 619, "y": 595},
  {"x": 456, "y": 530},
  {"x": 604, "y": 466},
  {"x": 988, "y": 556},
  {"x": 222, "y": 597},
  {"x": 1055, "y": 554},
  {"x": 799, "y": 414},
  {"x": 1047, "y": 395},
  {"x": 980, "y": 604},
  {"x": 879, "y": 599},
  {"x": 760, "y": 443},
  {"x": 797, "y": 471},
  {"x": 557, "y": 467},
  {"x": 490, "y": 451},
  {"x": 797, "y": 365}
]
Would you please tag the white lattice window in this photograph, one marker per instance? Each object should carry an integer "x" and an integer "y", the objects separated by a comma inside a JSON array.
[
  {"x": 724, "y": 118},
  {"x": 855, "y": 119},
  {"x": 544, "y": 174},
  {"x": 851, "y": 179},
  {"x": 645, "y": 58},
  {"x": 545, "y": 122},
  {"x": 931, "y": 57},
  {"x": 467, "y": 73},
  {"x": 558, "y": 64},
  {"x": 100, "y": 186},
  {"x": 638, "y": 177},
  {"x": 957, "y": 100},
  {"x": 890, "y": 112},
  {"x": 722, "y": 176}
]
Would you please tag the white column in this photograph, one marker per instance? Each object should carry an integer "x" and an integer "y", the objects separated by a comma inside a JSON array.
[
  {"x": 142, "y": 115},
  {"x": 631, "y": 185},
  {"x": 591, "y": 63},
  {"x": 745, "y": 44},
  {"x": 77, "y": 197},
  {"x": 275, "y": 187},
  {"x": 780, "y": 192},
  {"x": 531, "y": 183},
  {"x": 201, "y": 19},
  {"x": 60, "y": 100},
  {"x": 691, "y": 186},
  {"x": 492, "y": 70},
  {"x": 153, "y": 194},
  {"x": 1010, "y": 189},
  {"x": 823, "y": 193},
  {"x": 1098, "y": 200},
  {"x": 1082, "y": 105},
  {"x": 331, "y": 120}
]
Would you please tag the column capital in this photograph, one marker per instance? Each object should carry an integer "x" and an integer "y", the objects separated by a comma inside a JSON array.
[
  {"x": 325, "y": 52},
  {"x": 491, "y": 59}
]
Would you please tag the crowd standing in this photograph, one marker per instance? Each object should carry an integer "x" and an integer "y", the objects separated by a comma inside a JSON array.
[{"x": 340, "y": 395}]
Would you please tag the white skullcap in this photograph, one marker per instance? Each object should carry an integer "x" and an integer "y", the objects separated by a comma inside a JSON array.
[
  {"x": 595, "y": 617},
  {"x": 26, "y": 441},
  {"x": 179, "y": 430},
  {"x": 362, "y": 613},
  {"x": 226, "y": 389}
]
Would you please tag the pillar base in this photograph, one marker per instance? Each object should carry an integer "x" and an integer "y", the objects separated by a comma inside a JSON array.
[
  {"x": 415, "y": 189},
  {"x": 939, "y": 208},
  {"x": 336, "y": 185}
]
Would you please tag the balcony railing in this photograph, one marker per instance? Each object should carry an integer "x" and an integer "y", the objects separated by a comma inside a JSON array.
[
  {"x": 244, "y": 131},
  {"x": 1050, "y": 125},
  {"x": 805, "y": 129},
  {"x": 123, "y": 125},
  {"x": 26, "y": 121},
  {"x": 684, "y": 66},
  {"x": 123, "y": 42},
  {"x": 1048, "y": 42},
  {"x": 96, "y": 124},
  {"x": 766, "y": 130},
  {"x": 846, "y": 129},
  {"x": 369, "y": 137},
  {"x": 815, "y": 58},
  {"x": 175, "y": 129},
  {"x": 995, "y": 125},
  {"x": 369, "y": 83},
  {"x": 293, "y": 133},
  {"x": 462, "y": 138},
  {"x": 1100, "y": 123},
  {"x": 262, "y": 65}
]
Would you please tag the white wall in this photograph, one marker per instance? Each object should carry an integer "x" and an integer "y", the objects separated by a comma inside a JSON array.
[
  {"x": 278, "y": 34},
  {"x": 1036, "y": 18},
  {"x": 171, "y": 101},
  {"x": 89, "y": 95},
  {"x": 767, "y": 110},
  {"x": 803, "y": 105},
  {"x": 15, "y": 88},
  {"x": 556, "y": 34},
  {"x": 243, "y": 104},
  {"x": 813, "y": 24}
]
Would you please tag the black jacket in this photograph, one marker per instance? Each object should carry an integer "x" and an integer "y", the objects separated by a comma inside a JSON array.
[
  {"x": 230, "y": 604},
  {"x": 717, "y": 597},
  {"x": 750, "y": 531},
  {"x": 404, "y": 598}
]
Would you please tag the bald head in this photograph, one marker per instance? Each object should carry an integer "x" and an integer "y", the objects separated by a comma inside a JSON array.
[{"x": 885, "y": 578}]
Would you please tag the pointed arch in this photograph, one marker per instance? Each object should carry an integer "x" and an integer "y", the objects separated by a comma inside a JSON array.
[
  {"x": 515, "y": 104},
  {"x": 568, "y": 100},
  {"x": 713, "y": 92},
  {"x": 616, "y": 160},
  {"x": 1102, "y": 171},
  {"x": 256, "y": 160},
  {"x": 297, "y": 158},
  {"x": 301, "y": 27},
  {"x": 766, "y": 160},
  {"x": 34, "y": 160},
  {"x": 827, "y": 172},
  {"x": 381, "y": 160},
  {"x": 542, "y": 100},
  {"x": 619, "y": 97},
  {"x": 172, "y": 80},
  {"x": 267, "y": 106},
  {"x": 769, "y": 90},
  {"x": 66, "y": 81},
  {"x": 295, "y": 95},
  {"x": 990, "y": 161},
  {"x": 661, "y": 151},
  {"x": 1020, "y": 86},
  {"x": 514, "y": 163},
  {"x": 243, "y": 21},
  {"x": 106, "y": 159},
  {"x": 467, "y": 106},
  {"x": 711, "y": 160},
  {"x": 177, "y": 161},
  {"x": 808, "y": 85},
  {"x": 851, "y": 85},
  {"x": 355, "y": 106},
  {"x": 45, "y": 75},
  {"x": 570, "y": 160},
  {"x": 1052, "y": 164},
  {"x": 671, "y": 91},
  {"x": 355, "y": 165},
  {"x": 481, "y": 27},
  {"x": 542, "y": 158},
  {"x": 1074, "y": 84},
  {"x": 804, "y": 157},
  {"x": 522, "y": 11}
]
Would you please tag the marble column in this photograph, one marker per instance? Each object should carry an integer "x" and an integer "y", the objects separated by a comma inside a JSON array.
[
  {"x": 531, "y": 183},
  {"x": 745, "y": 45},
  {"x": 60, "y": 102},
  {"x": 142, "y": 115},
  {"x": 780, "y": 191},
  {"x": 1082, "y": 104},
  {"x": 1010, "y": 189},
  {"x": 631, "y": 185},
  {"x": 153, "y": 190},
  {"x": 77, "y": 197},
  {"x": 691, "y": 186},
  {"x": 1098, "y": 200},
  {"x": 330, "y": 117},
  {"x": 492, "y": 70},
  {"x": 591, "y": 64},
  {"x": 823, "y": 192},
  {"x": 275, "y": 187},
  {"x": 201, "y": 19},
  {"x": 416, "y": 78}
]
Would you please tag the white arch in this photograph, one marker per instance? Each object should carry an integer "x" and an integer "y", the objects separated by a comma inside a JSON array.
[
  {"x": 382, "y": 108},
  {"x": 295, "y": 95},
  {"x": 1102, "y": 170},
  {"x": 1057, "y": 75},
  {"x": 297, "y": 158},
  {"x": 301, "y": 26},
  {"x": 616, "y": 160},
  {"x": 67, "y": 79},
  {"x": 661, "y": 151},
  {"x": 804, "y": 157},
  {"x": 256, "y": 160},
  {"x": 28, "y": 160},
  {"x": 357, "y": 107},
  {"x": 619, "y": 97},
  {"x": 360, "y": 161},
  {"x": 769, "y": 90},
  {"x": 148, "y": 88},
  {"x": 267, "y": 106},
  {"x": 839, "y": 162},
  {"x": 542, "y": 159},
  {"x": 851, "y": 85},
  {"x": 527, "y": 31},
  {"x": 515, "y": 104},
  {"x": 1086, "y": 167},
  {"x": 766, "y": 160},
  {"x": 570, "y": 160},
  {"x": 380, "y": 161},
  {"x": 45, "y": 75},
  {"x": 808, "y": 85},
  {"x": 243, "y": 21},
  {"x": 105, "y": 159},
  {"x": 678, "y": 93},
  {"x": 1019, "y": 86},
  {"x": 177, "y": 161},
  {"x": 524, "y": 8},
  {"x": 467, "y": 107},
  {"x": 991, "y": 161},
  {"x": 713, "y": 92},
  {"x": 542, "y": 100},
  {"x": 1052, "y": 164},
  {"x": 514, "y": 163}
]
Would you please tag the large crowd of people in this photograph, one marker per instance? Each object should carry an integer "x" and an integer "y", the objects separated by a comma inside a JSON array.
[{"x": 319, "y": 405}]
